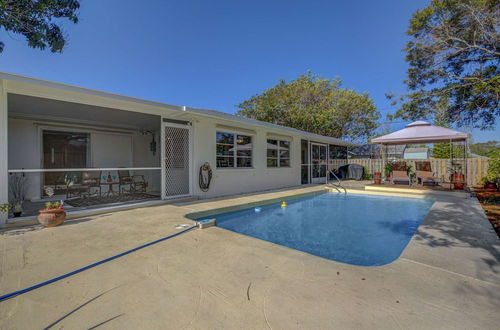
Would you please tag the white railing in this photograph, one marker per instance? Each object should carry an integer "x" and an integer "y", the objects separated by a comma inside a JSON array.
[{"x": 84, "y": 169}]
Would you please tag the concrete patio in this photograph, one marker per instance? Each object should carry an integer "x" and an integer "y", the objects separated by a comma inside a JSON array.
[{"x": 448, "y": 276}]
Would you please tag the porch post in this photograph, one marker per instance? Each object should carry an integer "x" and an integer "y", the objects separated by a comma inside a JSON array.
[
  {"x": 4, "y": 175},
  {"x": 162, "y": 158}
]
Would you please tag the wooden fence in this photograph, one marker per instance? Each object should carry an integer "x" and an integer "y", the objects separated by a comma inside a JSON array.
[{"x": 476, "y": 167}]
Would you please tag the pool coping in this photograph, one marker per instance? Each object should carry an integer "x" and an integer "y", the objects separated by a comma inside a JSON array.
[
  {"x": 411, "y": 253},
  {"x": 246, "y": 205}
]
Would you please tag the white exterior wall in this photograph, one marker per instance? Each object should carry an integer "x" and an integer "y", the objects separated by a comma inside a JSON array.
[{"x": 231, "y": 181}]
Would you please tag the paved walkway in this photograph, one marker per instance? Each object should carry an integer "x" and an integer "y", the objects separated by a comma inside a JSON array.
[{"x": 448, "y": 277}]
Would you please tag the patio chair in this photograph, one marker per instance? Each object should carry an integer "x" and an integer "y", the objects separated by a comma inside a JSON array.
[
  {"x": 81, "y": 186},
  {"x": 136, "y": 183},
  {"x": 399, "y": 173},
  {"x": 92, "y": 179},
  {"x": 424, "y": 173}
]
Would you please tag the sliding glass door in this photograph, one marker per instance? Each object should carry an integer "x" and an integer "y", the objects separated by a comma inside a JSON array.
[
  {"x": 318, "y": 163},
  {"x": 63, "y": 149}
]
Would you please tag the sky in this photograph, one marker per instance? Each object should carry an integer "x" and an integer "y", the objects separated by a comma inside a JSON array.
[{"x": 216, "y": 54}]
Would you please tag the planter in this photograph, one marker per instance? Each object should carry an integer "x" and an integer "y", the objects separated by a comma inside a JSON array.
[
  {"x": 458, "y": 181},
  {"x": 490, "y": 187},
  {"x": 377, "y": 177},
  {"x": 51, "y": 218}
]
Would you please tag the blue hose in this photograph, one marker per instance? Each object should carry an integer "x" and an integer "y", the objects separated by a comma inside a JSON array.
[{"x": 55, "y": 279}]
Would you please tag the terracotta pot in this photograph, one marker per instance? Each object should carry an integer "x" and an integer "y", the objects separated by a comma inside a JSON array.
[
  {"x": 51, "y": 218},
  {"x": 458, "y": 181},
  {"x": 377, "y": 176}
]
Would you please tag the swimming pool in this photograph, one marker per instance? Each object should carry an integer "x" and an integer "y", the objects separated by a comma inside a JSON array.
[{"x": 366, "y": 230}]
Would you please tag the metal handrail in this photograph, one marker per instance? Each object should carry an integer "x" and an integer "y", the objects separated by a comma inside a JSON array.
[{"x": 338, "y": 185}]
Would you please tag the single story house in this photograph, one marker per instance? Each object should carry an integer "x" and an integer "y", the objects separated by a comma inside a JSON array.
[{"x": 91, "y": 148}]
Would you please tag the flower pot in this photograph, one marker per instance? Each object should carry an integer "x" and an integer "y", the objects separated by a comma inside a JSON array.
[
  {"x": 377, "y": 177},
  {"x": 490, "y": 186},
  {"x": 51, "y": 218},
  {"x": 458, "y": 181}
]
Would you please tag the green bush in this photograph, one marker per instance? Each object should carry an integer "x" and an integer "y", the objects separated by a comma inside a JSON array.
[
  {"x": 493, "y": 172},
  {"x": 367, "y": 175}
]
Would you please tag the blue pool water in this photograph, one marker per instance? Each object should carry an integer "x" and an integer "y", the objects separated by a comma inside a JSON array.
[{"x": 362, "y": 230}]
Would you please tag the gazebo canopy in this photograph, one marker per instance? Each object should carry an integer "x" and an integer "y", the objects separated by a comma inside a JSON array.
[{"x": 421, "y": 132}]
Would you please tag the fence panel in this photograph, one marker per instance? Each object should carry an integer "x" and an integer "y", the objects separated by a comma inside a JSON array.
[{"x": 476, "y": 167}]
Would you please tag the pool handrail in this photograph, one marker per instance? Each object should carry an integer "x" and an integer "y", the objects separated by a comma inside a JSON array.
[{"x": 338, "y": 185}]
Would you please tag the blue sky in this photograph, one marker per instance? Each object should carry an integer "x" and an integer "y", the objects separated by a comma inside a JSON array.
[{"x": 216, "y": 54}]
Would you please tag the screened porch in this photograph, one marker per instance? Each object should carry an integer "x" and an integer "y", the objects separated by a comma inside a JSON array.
[{"x": 86, "y": 156}]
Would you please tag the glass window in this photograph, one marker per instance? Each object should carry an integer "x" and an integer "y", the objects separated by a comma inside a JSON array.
[
  {"x": 233, "y": 150},
  {"x": 278, "y": 153}
]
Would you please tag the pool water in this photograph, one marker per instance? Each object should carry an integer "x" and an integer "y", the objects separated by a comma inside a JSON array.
[{"x": 364, "y": 230}]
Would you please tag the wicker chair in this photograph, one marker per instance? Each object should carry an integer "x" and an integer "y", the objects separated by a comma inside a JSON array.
[
  {"x": 400, "y": 174},
  {"x": 81, "y": 186},
  {"x": 136, "y": 183},
  {"x": 425, "y": 174}
]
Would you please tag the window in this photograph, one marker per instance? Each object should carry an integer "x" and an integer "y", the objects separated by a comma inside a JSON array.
[
  {"x": 278, "y": 153},
  {"x": 234, "y": 150}
]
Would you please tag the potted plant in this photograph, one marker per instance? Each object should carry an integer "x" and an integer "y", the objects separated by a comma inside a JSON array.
[
  {"x": 456, "y": 177},
  {"x": 4, "y": 208},
  {"x": 489, "y": 184},
  {"x": 52, "y": 215},
  {"x": 388, "y": 170},
  {"x": 492, "y": 177},
  {"x": 17, "y": 186}
]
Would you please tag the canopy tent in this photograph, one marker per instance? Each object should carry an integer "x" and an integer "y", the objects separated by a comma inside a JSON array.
[{"x": 423, "y": 132}]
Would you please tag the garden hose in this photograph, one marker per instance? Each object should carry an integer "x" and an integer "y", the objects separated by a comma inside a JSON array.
[{"x": 55, "y": 279}]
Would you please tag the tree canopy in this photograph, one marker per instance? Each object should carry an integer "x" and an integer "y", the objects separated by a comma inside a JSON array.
[
  {"x": 38, "y": 20},
  {"x": 315, "y": 105},
  {"x": 485, "y": 148},
  {"x": 454, "y": 53}
]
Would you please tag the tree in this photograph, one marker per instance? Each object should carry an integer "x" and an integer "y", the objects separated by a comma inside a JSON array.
[
  {"x": 454, "y": 53},
  {"x": 485, "y": 148},
  {"x": 441, "y": 118},
  {"x": 38, "y": 20},
  {"x": 315, "y": 105}
]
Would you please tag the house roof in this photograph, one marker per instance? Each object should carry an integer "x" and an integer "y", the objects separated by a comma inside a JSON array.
[
  {"x": 184, "y": 109},
  {"x": 421, "y": 132}
]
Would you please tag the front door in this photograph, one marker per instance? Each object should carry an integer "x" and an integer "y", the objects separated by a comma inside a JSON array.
[
  {"x": 318, "y": 162},
  {"x": 177, "y": 160}
]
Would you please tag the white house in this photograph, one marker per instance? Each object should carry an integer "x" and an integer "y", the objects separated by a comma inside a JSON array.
[{"x": 54, "y": 135}]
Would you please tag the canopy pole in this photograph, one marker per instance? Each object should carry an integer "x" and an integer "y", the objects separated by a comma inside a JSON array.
[
  {"x": 451, "y": 165},
  {"x": 465, "y": 163}
]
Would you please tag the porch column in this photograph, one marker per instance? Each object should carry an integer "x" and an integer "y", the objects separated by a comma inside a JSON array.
[
  {"x": 4, "y": 175},
  {"x": 162, "y": 158}
]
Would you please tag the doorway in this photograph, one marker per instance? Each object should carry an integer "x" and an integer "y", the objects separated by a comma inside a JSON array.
[
  {"x": 177, "y": 160},
  {"x": 62, "y": 150},
  {"x": 319, "y": 162}
]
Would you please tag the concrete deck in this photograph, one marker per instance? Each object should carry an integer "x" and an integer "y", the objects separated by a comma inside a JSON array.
[{"x": 448, "y": 276}]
